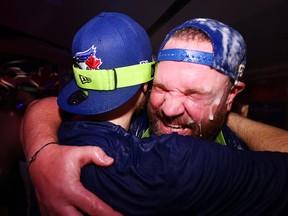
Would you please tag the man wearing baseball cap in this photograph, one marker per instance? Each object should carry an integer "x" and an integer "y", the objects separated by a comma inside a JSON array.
[
  {"x": 112, "y": 67},
  {"x": 151, "y": 148},
  {"x": 206, "y": 58}
]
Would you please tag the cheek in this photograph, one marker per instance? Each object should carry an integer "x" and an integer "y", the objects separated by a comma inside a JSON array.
[
  {"x": 204, "y": 109},
  {"x": 194, "y": 110},
  {"x": 156, "y": 99},
  {"x": 200, "y": 112}
]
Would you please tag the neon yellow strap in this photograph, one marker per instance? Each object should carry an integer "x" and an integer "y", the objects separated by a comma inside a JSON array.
[{"x": 114, "y": 78}]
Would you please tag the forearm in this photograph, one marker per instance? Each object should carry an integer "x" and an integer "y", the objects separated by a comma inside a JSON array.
[
  {"x": 258, "y": 136},
  {"x": 40, "y": 125}
]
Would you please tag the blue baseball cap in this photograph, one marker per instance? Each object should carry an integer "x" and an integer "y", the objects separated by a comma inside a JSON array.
[
  {"x": 229, "y": 48},
  {"x": 113, "y": 55}
]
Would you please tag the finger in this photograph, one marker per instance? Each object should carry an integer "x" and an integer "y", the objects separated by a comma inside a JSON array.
[
  {"x": 92, "y": 205},
  {"x": 94, "y": 154}
]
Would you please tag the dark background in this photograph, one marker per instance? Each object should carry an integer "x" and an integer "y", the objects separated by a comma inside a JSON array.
[{"x": 35, "y": 41}]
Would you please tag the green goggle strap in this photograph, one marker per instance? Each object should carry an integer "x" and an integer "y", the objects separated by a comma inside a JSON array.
[{"x": 114, "y": 78}]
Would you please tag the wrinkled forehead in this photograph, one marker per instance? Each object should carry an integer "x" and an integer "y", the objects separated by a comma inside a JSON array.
[
  {"x": 179, "y": 75},
  {"x": 191, "y": 69},
  {"x": 197, "y": 71}
]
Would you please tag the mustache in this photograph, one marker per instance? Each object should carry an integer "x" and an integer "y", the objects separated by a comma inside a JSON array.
[{"x": 176, "y": 120}]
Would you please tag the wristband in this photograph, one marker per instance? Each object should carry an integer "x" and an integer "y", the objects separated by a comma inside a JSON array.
[{"x": 33, "y": 158}]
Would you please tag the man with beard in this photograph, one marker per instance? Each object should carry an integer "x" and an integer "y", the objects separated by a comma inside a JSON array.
[
  {"x": 187, "y": 99},
  {"x": 192, "y": 94}
]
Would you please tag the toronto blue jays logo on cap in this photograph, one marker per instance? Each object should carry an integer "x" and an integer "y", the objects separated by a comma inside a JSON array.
[{"x": 87, "y": 59}]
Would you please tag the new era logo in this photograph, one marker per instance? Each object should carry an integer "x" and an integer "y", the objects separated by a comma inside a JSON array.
[{"x": 84, "y": 79}]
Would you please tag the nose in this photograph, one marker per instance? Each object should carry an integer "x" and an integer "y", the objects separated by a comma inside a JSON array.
[{"x": 173, "y": 105}]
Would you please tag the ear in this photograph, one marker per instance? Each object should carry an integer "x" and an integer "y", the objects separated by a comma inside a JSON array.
[
  {"x": 142, "y": 93},
  {"x": 145, "y": 88},
  {"x": 236, "y": 88}
]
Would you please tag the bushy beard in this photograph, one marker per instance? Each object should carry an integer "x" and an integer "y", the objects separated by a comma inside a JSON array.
[{"x": 206, "y": 129}]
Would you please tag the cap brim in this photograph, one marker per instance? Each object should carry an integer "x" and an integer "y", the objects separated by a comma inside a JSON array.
[{"x": 97, "y": 102}]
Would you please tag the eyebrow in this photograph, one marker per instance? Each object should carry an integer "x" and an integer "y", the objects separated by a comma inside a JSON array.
[{"x": 196, "y": 91}]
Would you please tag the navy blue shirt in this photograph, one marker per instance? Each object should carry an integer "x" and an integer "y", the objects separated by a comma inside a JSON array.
[{"x": 180, "y": 175}]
